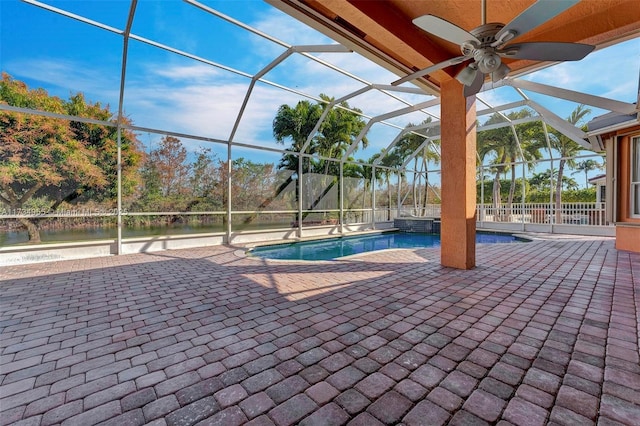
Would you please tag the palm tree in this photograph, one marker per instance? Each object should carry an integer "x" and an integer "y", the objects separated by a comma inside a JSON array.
[
  {"x": 546, "y": 180},
  {"x": 353, "y": 175},
  {"x": 405, "y": 147},
  {"x": 394, "y": 161},
  {"x": 427, "y": 155},
  {"x": 337, "y": 132},
  {"x": 371, "y": 174},
  {"x": 587, "y": 166},
  {"x": 501, "y": 144},
  {"x": 543, "y": 180},
  {"x": 296, "y": 124},
  {"x": 567, "y": 149}
]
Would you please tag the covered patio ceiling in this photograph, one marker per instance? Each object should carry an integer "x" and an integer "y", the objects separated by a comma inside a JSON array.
[{"x": 383, "y": 30}]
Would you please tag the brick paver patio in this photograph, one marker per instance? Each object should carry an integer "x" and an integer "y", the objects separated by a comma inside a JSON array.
[{"x": 538, "y": 333}]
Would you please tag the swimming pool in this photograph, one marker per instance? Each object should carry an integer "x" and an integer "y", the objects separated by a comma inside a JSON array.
[{"x": 338, "y": 247}]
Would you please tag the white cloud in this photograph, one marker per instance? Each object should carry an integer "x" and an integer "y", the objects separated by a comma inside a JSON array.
[
  {"x": 610, "y": 72},
  {"x": 207, "y": 104},
  {"x": 360, "y": 66},
  {"x": 63, "y": 77},
  {"x": 288, "y": 29},
  {"x": 197, "y": 71},
  {"x": 560, "y": 75}
]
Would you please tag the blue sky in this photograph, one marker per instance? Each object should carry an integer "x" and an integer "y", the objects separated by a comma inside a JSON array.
[{"x": 169, "y": 92}]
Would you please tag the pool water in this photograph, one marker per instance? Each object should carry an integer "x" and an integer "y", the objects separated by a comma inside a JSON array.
[{"x": 346, "y": 246}]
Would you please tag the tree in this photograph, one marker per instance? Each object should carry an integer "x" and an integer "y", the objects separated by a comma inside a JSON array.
[
  {"x": 294, "y": 124},
  {"x": 337, "y": 133},
  {"x": 585, "y": 167},
  {"x": 58, "y": 160},
  {"x": 371, "y": 174},
  {"x": 543, "y": 180},
  {"x": 407, "y": 146},
  {"x": 334, "y": 136},
  {"x": 150, "y": 187},
  {"x": 170, "y": 162},
  {"x": 172, "y": 183},
  {"x": 392, "y": 161},
  {"x": 505, "y": 188},
  {"x": 504, "y": 150},
  {"x": 205, "y": 182},
  {"x": 250, "y": 183},
  {"x": 567, "y": 149}
]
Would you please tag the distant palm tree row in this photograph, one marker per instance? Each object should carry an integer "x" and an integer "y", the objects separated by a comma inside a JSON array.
[
  {"x": 503, "y": 147},
  {"x": 499, "y": 150}
]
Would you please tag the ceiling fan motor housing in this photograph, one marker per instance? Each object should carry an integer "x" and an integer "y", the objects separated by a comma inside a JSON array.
[{"x": 487, "y": 33}]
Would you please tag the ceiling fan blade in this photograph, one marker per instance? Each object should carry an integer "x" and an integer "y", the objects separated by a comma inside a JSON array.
[
  {"x": 428, "y": 70},
  {"x": 536, "y": 14},
  {"x": 475, "y": 86},
  {"x": 444, "y": 29},
  {"x": 547, "y": 51}
]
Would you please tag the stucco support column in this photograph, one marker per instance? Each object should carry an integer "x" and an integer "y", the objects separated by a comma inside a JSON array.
[{"x": 458, "y": 133}]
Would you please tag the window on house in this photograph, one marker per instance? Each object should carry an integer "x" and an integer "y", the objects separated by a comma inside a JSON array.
[{"x": 635, "y": 177}]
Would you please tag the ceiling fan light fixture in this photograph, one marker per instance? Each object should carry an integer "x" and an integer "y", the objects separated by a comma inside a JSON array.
[
  {"x": 487, "y": 60},
  {"x": 500, "y": 73},
  {"x": 468, "y": 74}
]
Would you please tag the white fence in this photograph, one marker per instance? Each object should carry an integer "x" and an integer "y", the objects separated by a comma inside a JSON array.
[
  {"x": 571, "y": 218},
  {"x": 585, "y": 214},
  {"x": 569, "y": 213}
]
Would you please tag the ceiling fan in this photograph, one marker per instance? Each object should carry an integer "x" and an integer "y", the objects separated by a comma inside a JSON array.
[{"x": 486, "y": 45}]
